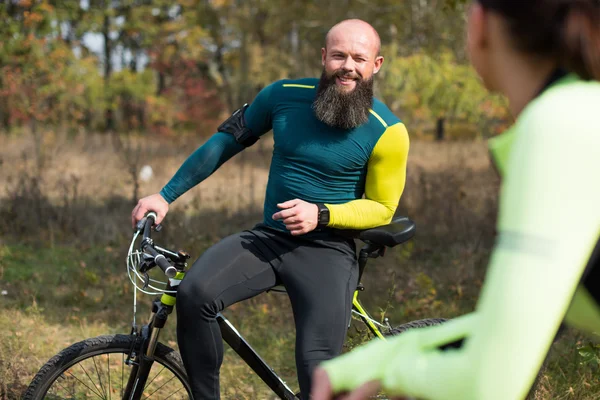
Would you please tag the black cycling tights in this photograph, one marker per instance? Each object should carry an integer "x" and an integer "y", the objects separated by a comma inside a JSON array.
[{"x": 320, "y": 276}]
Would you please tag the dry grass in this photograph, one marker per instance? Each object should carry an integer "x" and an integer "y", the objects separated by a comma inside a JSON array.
[{"x": 65, "y": 205}]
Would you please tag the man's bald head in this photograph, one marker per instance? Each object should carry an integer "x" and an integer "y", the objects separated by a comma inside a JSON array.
[
  {"x": 351, "y": 54},
  {"x": 350, "y": 58},
  {"x": 355, "y": 27}
]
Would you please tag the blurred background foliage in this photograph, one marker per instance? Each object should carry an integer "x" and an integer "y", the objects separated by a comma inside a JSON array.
[
  {"x": 168, "y": 67},
  {"x": 93, "y": 92}
]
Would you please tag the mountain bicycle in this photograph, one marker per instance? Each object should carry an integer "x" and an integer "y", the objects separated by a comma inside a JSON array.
[{"x": 138, "y": 366}]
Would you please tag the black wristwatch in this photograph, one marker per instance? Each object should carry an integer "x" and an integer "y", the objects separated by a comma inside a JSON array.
[{"x": 323, "y": 219}]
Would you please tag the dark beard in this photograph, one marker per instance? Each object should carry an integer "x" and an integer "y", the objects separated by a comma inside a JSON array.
[{"x": 343, "y": 110}]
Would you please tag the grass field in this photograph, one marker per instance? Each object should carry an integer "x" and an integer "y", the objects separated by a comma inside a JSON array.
[{"x": 65, "y": 206}]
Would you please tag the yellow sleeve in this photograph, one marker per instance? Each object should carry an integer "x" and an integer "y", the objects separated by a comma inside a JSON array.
[{"x": 386, "y": 176}]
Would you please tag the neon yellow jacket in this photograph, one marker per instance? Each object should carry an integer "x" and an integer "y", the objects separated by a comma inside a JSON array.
[{"x": 543, "y": 270}]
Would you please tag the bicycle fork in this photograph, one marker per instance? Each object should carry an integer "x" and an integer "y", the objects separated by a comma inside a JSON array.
[{"x": 141, "y": 357}]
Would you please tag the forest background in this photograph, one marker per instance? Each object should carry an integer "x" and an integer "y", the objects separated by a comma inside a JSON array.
[{"x": 93, "y": 91}]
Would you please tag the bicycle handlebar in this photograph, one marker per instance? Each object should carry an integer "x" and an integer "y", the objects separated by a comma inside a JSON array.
[{"x": 145, "y": 224}]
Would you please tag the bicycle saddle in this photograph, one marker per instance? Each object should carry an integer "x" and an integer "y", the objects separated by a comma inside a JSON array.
[{"x": 396, "y": 232}]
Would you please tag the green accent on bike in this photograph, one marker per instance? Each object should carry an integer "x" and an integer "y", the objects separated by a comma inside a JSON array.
[
  {"x": 167, "y": 299},
  {"x": 367, "y": 321}
]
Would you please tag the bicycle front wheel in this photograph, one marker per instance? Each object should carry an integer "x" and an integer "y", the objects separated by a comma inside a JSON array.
[{"x": 96, "y": 369}]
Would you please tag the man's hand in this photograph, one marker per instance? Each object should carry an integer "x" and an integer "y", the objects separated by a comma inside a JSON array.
[
  {"x": 321, "y": 389},
  {"x": 154, "y": 203},
  {"x": 299, "y": 216}
]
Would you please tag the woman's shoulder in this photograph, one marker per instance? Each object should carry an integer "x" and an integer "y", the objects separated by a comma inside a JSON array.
[{"x": 572, "y": 105}]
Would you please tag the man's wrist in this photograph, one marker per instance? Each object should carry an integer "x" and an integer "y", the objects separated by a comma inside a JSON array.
[
  {"x": 166, "y": 195},
  {"x": 323, "y": 215}
]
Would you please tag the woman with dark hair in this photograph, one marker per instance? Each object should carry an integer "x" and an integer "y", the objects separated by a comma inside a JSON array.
[{"x": 544, "y": 56}]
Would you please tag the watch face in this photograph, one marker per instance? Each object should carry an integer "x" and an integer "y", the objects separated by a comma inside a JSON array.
[{"x": 323, "y": 215}]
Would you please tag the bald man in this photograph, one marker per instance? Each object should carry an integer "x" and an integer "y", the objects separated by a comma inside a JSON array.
[{"x": 338, "y": 162}]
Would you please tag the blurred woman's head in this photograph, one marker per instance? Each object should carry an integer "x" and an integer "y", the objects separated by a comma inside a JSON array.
[{"x": 563, "y": 33}]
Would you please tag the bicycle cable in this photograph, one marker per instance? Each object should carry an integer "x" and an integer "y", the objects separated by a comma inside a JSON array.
[
  {"x": 366, "y": 316},
  {"x": 134, "y": 258}
]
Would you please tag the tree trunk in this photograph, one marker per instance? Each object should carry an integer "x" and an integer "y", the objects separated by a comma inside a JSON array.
[
  {"x": 133, "y": 63},
  {"x": 4, "y": 110},
  {"x": 161, "y": 83},
  {"x": 224, "y": 75},
  {"x": 295, "y": 44},
  {"x": 440, "y": 129},
  {"x": 4, "y": 115},
  {"x": 243, "y": 91},
  {"x": 108, "y": 114}
]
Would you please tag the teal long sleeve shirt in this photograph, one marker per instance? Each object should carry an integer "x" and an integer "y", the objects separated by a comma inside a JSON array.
[{"x": 359, "y": 173}]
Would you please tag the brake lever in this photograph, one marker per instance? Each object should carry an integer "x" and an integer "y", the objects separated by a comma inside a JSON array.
[
  {"x": 140, "y": 224},
  {"x": 146, "y": 280},
  {"x": 146, "y": 264}
]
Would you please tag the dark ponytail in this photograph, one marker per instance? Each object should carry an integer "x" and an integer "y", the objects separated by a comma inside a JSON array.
[
  {"x": 566, "y": 30},
  {"x": 581, "y": 39}
]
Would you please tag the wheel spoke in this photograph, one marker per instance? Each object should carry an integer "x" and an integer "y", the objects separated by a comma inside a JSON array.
[
  {"x": 65, "y": 388},
  {"x": 84, "y": 384},
  {"x": 81, "y": 373},
  {"x": 98, "y": 374},
  {"x": 174, "y": 393},
  {"x": 155, "y": 376},
  {"x": 108, "y": 370},
  {"x": 122, "y": 372},
  {"x": 161, "y": 386}
]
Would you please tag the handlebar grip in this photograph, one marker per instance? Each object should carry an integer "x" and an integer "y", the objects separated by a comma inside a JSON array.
[
  {"x": 148, "y": 222},
  {"x": 161, "y": 261},
  {"x": 169, "y": 270}
]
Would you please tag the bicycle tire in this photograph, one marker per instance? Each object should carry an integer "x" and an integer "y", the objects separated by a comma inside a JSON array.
[
  {"x": 421, "y": 323},
  {"x": 59, "y": 371}
]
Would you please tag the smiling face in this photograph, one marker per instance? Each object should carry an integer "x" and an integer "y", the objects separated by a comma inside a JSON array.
[
  {"x": 350, "y": 58},
  {"x": 351, "y": 54}
]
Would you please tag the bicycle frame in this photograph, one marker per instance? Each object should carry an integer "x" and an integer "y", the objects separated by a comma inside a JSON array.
[
  {"x": 365, "y": 317},
  {"x": 142, "y": 353},
  {"x": 141, "y": 349},
  {"x": 259, "y": 366},
  {"x": 233, "y": 338},
  {"x": 254, "y": 361}
]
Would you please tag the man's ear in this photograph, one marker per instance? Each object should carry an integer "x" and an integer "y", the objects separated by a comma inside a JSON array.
[
  {"x": 323, "y": 55},
  {"x": 378, "y": 64}
]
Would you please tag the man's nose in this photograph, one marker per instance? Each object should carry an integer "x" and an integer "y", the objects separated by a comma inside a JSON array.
[{"x": 348, "y": 65}]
